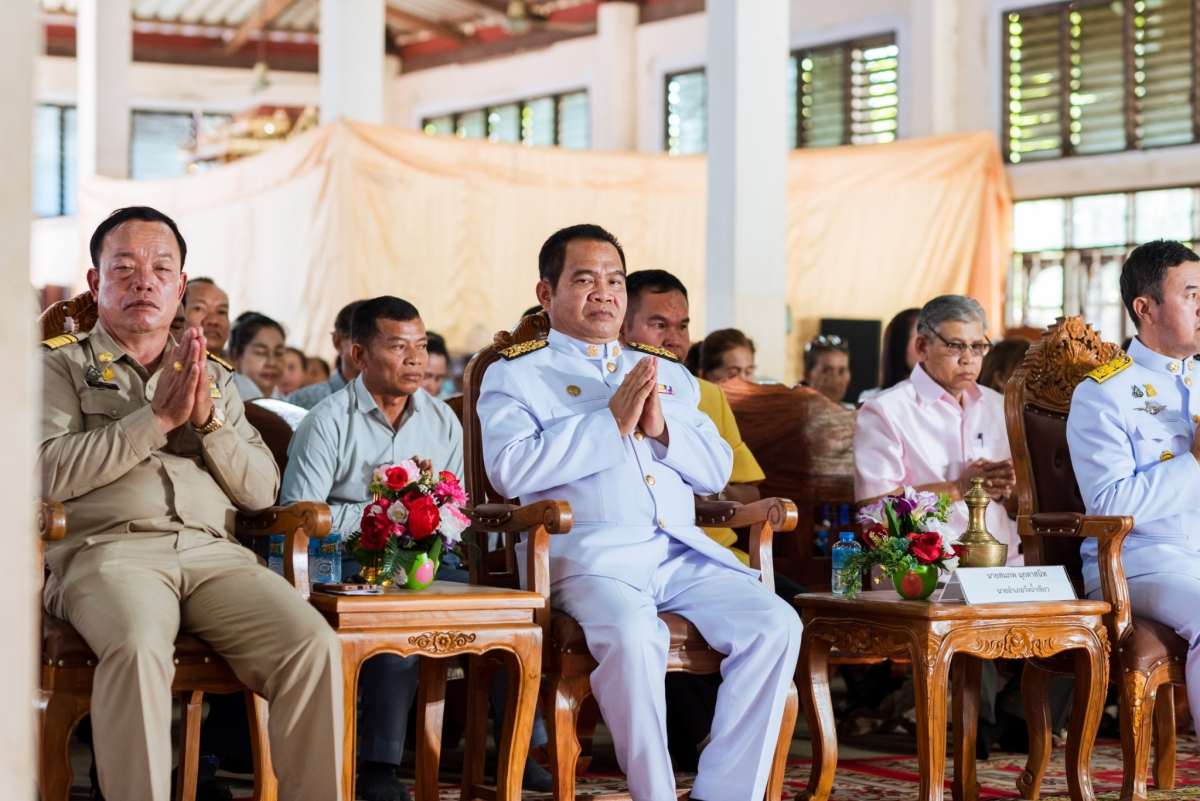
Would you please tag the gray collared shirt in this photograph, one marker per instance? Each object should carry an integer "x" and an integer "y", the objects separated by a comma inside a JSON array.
[
  {"x": 345, "y": 437},
  {"x": 308, "y": 397}
]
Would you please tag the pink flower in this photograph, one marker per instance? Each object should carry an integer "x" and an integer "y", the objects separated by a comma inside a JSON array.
[{"x": 448, "y": 489}]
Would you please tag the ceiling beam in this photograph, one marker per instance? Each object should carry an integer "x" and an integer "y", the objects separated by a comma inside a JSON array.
[
  {"x": 403, "y": 19},
  {"x": 260, "y": 19}
]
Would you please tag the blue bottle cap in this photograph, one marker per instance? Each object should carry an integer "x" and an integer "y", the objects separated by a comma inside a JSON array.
[{"x": 846, "y": 536}]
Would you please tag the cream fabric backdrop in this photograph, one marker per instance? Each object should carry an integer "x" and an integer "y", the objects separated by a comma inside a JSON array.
[{"x": 352, "y": 210}]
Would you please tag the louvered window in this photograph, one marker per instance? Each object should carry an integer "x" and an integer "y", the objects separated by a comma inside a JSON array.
[
  {"x": 1097, "y": 77},
  {"x": 687, "y": 113},
  {"x": 559, "y": 120}
]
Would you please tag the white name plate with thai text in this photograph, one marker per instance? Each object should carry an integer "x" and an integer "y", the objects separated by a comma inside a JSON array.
[{"x": 1009, "y": 585}]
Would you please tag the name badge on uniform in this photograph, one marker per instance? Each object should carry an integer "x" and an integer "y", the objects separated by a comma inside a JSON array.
[{"x": 663, "y": 389}]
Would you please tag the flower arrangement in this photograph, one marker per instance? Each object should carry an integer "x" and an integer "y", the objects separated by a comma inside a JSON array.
[
  {"x": 415, "y": 517},
  {"x": 908, "y": 539}
]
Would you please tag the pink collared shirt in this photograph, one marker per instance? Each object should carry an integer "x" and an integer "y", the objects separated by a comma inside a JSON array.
[{"x": 916, "y": 433}]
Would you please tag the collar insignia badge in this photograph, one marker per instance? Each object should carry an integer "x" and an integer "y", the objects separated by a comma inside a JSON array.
[{"x": 1137, "y": 391}]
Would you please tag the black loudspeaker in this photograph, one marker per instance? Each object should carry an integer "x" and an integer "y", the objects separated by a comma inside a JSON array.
[{"x": 865, "y": 337}]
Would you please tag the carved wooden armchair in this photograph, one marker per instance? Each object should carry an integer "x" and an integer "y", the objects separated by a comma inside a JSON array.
[
  {"x": 68, "y": 664},
  {"x": 804, "y": 443},
  {"x": 566, "y": 661},
  {"x": 1052, "y": 524}
]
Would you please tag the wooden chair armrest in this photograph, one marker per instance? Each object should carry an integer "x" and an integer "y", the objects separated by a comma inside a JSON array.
[
  {"x": 764, "y": 518},
  {"x": 299, "y": 523},
  {"x": 540, "y": 519},
  {"x": 1110, "y": 533},
  {"x": 51, "y": 520}
]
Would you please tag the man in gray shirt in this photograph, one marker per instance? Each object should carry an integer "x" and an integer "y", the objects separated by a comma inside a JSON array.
[
  {"x": 344, "y": 371},
  {"x": 382, "y": 417}
]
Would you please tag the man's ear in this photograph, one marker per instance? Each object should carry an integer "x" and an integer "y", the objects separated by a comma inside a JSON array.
[
  {"x": 338, "y": 341},
  {"x": 93, "y": 281},
  {"x": 182, "y": 285},
  {"x": 357, "y": 354},
  {"x": 1142, "y": 307},
  {"x": 544, "y": 292},
  {"x": 921, "y": 345}
]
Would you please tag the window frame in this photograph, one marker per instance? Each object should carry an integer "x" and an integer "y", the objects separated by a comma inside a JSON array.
[
  {"x": 61, "y": 109},
  {"x": 1128, "y": 40},
  {"x": 522, "y": 104},
  {"x": 666, "y": 118}
]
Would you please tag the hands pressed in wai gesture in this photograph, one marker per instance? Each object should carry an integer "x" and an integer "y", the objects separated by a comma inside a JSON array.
[
  {"x": 636, "y": 404},
  {"x": 182, "y": 394}
]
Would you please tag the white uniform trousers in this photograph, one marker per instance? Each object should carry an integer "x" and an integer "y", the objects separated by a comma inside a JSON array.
[
  {"x": 130, "y": 598},
  {"x": 759, "y": 633},
  {"x": 1173, "y": 599}
]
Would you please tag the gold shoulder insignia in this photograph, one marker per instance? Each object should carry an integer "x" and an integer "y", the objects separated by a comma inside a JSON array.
[
  {"x": 663, "y": 352},
  {"x": 220, "y": 361},
  {"x": 1107, "y": 371},
  {"x": 522, "y": 348},
  {"x": 59, "y": 341}
]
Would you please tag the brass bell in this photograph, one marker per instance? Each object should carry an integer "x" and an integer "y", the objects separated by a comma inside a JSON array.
[{"x": 979, "y": 548}]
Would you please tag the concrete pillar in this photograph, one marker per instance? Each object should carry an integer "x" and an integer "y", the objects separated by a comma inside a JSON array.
[
  {"x": 932, "y": 96},
  {"x": 614, "y": 95},
  {"x": 747, "y": 188},
  {"x": 20, "y": 39},
  {"x": 104, "y": 51},
  {"x": 351, "y": 60}
]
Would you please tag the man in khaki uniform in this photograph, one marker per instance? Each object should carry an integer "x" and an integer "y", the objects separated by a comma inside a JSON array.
[{"x": 145, "y": 441}]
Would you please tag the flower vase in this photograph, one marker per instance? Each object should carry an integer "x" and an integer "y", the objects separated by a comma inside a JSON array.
[
  {"x": 373, "y": 574},
  {"x": 918, "y": 584},
  {"x": 421, "y": 571}
]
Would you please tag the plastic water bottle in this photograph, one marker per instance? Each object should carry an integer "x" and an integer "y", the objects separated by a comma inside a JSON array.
[
  {"x": 842, "y": 549},
  {"x": 324, "y": 558}
]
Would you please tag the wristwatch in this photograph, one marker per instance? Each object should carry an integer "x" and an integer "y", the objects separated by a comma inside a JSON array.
[{"x": 216, "y": 419}]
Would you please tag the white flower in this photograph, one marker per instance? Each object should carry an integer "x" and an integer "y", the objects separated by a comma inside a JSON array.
[
  {"x": 375, "y": 510},
  {"x": 453, "y": 524},
  {"x": 949, "y": 535},
  {"x": 397, "y": 513}
]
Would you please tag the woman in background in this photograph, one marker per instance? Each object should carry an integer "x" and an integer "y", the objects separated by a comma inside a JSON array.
[
  {"x": 899, "y": 353},
  {"x": 256, "y": 348},
  {"x": 727, "y": 353},
  {"x": 295, "y": 366},
  {"x": 1002, "y": 361}
]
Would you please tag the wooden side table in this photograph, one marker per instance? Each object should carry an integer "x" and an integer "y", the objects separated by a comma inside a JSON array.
[
  {"x": 444, "y": 620},
  {"x": 935, "y": 634}
]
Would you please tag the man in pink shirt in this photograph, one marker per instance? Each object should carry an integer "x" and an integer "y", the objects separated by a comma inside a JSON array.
[{"x": 939, "y": 429}]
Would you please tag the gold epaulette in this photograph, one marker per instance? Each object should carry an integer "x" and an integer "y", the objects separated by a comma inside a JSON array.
[
  {"x": 522, "y": 348},
  {"x": 1107, "y": 371},
  {"x": 663, "y": 352},
  {"x": 220, "y": 361},
  {"x": 59, "y": 341}
]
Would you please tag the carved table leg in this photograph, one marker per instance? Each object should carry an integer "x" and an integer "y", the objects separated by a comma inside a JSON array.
[
  {"x": 929, "y": 683},
  {"x": 524, "y": 664},
  {"x": 351, "y": 662},
  {"x": 475, "y": 738},
  {"x": 1035, "y": 693},
  {"x": 813, "y": 682},
  {"x": 966, "y": 674},
  {"x": 1091, "y": 684},
  {"x": 431, "y": 706},
  {"x": 188, "y": 773}
]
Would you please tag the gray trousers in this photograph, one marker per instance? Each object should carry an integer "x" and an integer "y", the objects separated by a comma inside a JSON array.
[{"x": 388, "y": 687}]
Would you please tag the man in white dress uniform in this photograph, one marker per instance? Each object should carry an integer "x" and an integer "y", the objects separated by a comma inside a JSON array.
[
  {"x": 1133, "y": 439},
  {"x": 615, "y": 431}
]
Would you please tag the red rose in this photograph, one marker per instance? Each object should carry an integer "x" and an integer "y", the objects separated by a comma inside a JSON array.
[
  {"x": 423, "y": 515},
  {"x": 875, "y": 534},
  {"x": 926, "y": 546},
  {"x": 375, "y": 530},
  {"x": 446, "y": 475},
  {"x": 396, "y": 478}
]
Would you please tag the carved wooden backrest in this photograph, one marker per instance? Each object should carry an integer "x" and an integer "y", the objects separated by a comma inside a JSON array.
[
  {"x": 1036, "y": 403},
  {"x": 804, "y": 443},
  {"x": 491, "y": 569},
  {"x": 80, "y": 310}
]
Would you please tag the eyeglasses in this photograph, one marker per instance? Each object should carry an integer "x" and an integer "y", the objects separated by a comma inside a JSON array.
[
  {"x": 980, "y": 349},
  {"x": 827, "y": 341}
]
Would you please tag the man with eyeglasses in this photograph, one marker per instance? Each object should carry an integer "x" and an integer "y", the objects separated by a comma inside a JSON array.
[
  {"x": 827, "y": 367},
  {"x": 939, "y": 429}
]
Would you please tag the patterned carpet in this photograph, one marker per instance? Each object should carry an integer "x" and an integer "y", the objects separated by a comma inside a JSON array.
[{"x": 896, "y": 778}]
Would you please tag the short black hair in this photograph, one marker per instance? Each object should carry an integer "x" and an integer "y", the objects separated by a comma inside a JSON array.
[
  {"x": 553, "y": 256},
  {"x": 657, "y": 282},
  {"x": 1146, "y": 268},
  {"x": 246, "y": 328},
  {"x": 324, "y": 365},
  {"x": 341, "y": 323},
  {"x": 436, "y": 345},
  {"x": 532, "y": 310},
  {"x": 301, "y": 354},
  {"x": 365, "y": 325},
  {"x": 121, "y": 216}
]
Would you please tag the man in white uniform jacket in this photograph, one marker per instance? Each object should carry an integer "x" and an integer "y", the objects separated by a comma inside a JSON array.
[
  {"x": 1134, "y": 446},
  {"x": 616, "y": 433}
]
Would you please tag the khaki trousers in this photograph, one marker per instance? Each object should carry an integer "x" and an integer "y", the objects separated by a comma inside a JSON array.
[{"x": 130, "y": 598}]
